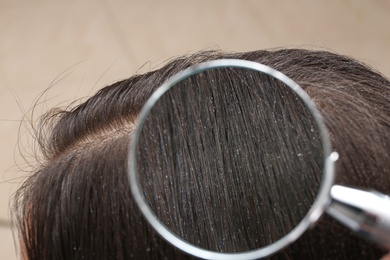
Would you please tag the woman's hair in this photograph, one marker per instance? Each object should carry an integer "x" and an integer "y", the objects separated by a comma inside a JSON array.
[
  {"x": 78, "y": 204},
  {"x": 226, "y": 152}
]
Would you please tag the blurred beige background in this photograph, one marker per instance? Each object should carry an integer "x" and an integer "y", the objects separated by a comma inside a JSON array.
[{"x": 76, "y": 47}]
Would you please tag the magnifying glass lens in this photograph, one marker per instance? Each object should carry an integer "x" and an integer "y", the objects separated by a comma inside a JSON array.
[{"x": 229, "y": 159}]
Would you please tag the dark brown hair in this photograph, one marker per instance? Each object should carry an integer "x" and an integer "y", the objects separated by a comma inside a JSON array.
[
  {"x": 224, "y": 154},
  {"x": 77, "y": 204}
]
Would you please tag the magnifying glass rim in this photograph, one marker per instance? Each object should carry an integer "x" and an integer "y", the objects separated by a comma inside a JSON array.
[{"x": 319, "y": 206}]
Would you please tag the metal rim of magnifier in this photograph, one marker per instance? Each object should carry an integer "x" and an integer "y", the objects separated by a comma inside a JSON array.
[{"x": 320, "y": 204}]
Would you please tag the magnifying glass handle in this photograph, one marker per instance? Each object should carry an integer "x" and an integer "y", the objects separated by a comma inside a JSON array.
[{"x": 365, "y": 212}]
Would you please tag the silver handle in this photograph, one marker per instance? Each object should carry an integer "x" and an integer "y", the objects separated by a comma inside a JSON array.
[{"x": 365, "y": 212}]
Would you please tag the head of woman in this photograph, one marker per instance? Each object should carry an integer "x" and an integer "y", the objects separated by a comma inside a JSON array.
[{"x": 77, "y": 204}]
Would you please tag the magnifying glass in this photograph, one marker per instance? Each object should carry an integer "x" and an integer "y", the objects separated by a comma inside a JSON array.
[{"x": 230, "y": 159}]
